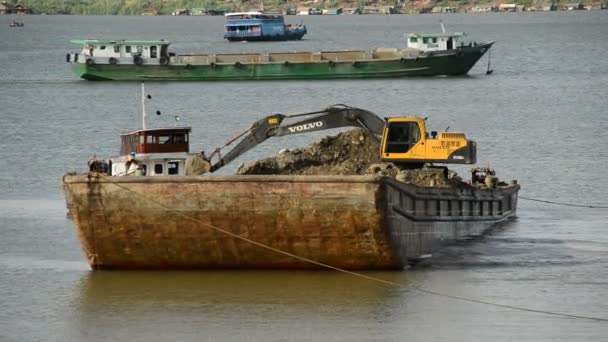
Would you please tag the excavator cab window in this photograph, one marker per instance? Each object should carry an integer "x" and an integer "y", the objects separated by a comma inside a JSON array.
[{"x": 402, "y": 136}]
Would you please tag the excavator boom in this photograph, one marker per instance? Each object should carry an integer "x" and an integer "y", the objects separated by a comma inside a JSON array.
[{"x": 271, "y": 126}]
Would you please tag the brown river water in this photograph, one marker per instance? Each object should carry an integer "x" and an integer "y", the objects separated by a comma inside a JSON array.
[{"x": 540, "y": 118}]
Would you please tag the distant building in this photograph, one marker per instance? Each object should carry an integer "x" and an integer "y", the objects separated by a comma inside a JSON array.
[
  {"x": 309, "y": 11},
  {"x": 20, "y": 9},
  {"x": 181, "y": 11},
  {"x": 332, "y": 11},
  {"x": 198, "y": 11},
  {"x": 6, "y": 8},
  {"x": 573, "y": 6},
  {"x": 351, "y": 10},
  {"x": 443, "y": 9},
  {"x": 511, "y": 8},
  {"x": 552, "y": 7},
  {"x": 304, "y": 11},
  {"x": 379, "y": 10},
  {"x": 478, "y": 9}
]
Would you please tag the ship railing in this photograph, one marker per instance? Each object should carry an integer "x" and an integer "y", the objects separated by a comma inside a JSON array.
[
  {"x": 79, "y": 58},
  {"x": 435, "y": 204},
  {"x": 242, "y": 33}
]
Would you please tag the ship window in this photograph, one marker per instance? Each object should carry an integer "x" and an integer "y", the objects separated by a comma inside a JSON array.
[
  {"x": 142, "y": 139},
  {"x": 402, "y": 136},
  {"x": 173, "y": 168},
  {"x": 434, "y": 40},
  {"x": 128, "y": 48},
  {"x": 140, "y": 48},
  {"x": 413, "y": 40},
  {"x": 153, "y": 51},
  {"x": 116, "y": 48},
  {"x": 150, "y": 139},
  {"x": 425, "y": 40},
  {"x": 179, "y": 139},
  {"x": 103, "y": 47},
  {"x": 158, "y": 169}
]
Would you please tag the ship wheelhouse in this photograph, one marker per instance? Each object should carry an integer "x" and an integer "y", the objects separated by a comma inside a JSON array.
[
  {"x": 153, "y": 152},
  {"x": 434, "y": 41},
  {"x": 123, "y": 51}
]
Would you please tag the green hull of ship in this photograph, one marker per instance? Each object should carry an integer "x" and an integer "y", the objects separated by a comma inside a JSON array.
[{"x": 449, "y": 64}]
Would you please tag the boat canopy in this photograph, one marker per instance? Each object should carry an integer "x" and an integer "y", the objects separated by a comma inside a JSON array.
[
  {"x": 253, "y": 15},
  {"x": 119, "y": 42},
  {"x": 436, "y": 35}
]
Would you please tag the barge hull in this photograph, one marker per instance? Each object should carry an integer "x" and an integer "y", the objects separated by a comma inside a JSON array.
[
  {"x": 451, "y": 63},
  {"x": 351, "y": 222}
]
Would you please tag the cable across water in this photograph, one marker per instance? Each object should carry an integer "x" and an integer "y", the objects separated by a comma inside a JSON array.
[{"x": 355, "y": 274}]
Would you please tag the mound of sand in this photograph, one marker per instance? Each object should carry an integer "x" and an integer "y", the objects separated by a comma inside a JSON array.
[{"x": 348, "y": 153}]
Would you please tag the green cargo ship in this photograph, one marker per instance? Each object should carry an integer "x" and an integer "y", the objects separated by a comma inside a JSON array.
[{"x": 430, "y": 54}]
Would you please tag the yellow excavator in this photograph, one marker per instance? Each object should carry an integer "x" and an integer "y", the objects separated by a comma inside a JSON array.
[{"x": 403, "y": 140}]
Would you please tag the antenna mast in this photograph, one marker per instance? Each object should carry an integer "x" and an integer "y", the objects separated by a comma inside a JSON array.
[{"x": 143, "y": 106}]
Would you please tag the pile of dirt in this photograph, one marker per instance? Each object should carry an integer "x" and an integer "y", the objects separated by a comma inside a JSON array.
[
  {"x": 348, "y": 153},
  {"x": 355, "y": 152},
  {"x": 425, "y": 177}
]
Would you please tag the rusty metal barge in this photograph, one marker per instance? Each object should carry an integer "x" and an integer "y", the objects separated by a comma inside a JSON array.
[
  {"x": 352, "y": 222},
  {"x": 148, "y": 209}
]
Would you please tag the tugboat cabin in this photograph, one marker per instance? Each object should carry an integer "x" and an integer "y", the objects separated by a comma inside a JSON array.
[
  {"x": 153, "y": 152},
  {"x": 434, "y": 41},
  {"x": 122, "y": 52},
  {"x": 253, "y": 24}
]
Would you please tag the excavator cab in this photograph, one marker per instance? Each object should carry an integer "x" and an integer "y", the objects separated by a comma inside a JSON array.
[
  {"x": 405, "y": 140},
  {"x": 402, "y": 136}
]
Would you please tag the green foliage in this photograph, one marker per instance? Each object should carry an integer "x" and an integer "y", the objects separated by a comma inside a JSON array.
[{"x": 137, "y": 7}]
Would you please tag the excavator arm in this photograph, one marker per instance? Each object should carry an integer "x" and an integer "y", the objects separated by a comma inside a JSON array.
[{"x": 271, "y": 126}]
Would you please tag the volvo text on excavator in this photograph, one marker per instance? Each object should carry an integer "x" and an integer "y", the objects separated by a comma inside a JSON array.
[{"x": 403, "y": 140}]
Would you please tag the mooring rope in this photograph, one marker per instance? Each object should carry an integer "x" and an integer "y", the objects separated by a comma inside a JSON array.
[
  {"x": 338, "y": 269},
  {"x": 565, "y": 204}
]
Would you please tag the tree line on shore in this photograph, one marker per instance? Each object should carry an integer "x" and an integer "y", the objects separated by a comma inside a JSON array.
[{"x": 138, "y": 7}]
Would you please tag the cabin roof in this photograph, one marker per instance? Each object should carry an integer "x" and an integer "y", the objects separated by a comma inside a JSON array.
[
  {"x": 159, "y": 130},
  {"x": 119, "y": 42},
  {"x": 241, "y": 13},
  {"x": 253, "y": 13},
  {"x": 437, "y": 35}
]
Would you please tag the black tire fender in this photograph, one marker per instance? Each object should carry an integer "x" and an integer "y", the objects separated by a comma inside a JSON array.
[
  {"x": 138, "y": 60},
  {"x": 112, "y": 60},
  {"x": 90, "y": 61},
  {"x": 164, "y": 60}
]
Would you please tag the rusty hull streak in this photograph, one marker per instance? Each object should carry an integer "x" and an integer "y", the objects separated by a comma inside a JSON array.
[{"x": 336, "y": 220}]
